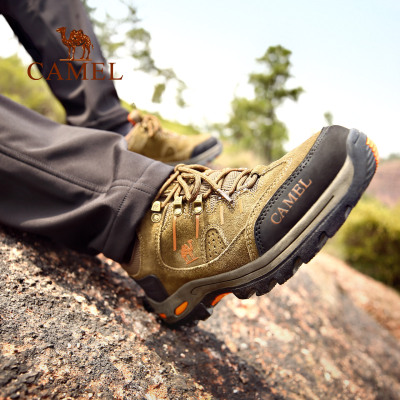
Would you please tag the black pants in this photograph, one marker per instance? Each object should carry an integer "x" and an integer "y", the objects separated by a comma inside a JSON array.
[{"x": 77, "y": 186}]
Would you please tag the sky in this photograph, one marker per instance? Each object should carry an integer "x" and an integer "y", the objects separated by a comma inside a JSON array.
[{"x": 345, "y": 55}]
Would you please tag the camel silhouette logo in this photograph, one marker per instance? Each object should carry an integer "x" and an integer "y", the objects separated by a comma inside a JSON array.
[
  {"x": 76, "y": 39},
  {"x": 187, "y": 252}
]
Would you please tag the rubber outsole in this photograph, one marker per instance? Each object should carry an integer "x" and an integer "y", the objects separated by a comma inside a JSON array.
[{"x": 363, "y": 155}]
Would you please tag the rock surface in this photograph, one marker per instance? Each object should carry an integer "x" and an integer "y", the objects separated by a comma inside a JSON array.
[{"x": 74, "y": 327}]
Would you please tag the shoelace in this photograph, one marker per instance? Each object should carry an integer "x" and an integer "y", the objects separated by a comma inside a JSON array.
[
  {"x": 150, "y": 123},
  {"x": 188, "y": 180}
]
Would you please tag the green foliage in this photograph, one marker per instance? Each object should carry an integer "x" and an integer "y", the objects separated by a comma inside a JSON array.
[
  {"x": 158, "y": 91},
  {"x": 105, "y": 30},
  {"x": 328, "y": 118},
  {"x": 125, "y": 36},
  {"x": 253, "y": 122},
  {"x": 371, "y": 241},
  {"x": 36, "y": 95},
  {"x": 392, "y": 156}
]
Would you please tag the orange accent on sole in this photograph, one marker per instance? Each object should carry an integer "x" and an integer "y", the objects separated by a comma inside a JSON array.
[
  {"x": 163, "y": 316},
  {"x": 374, "y": 150},
  {"x": 180, "y": 309},
  {"x": 219, "y": 298},
  {"x": 221, "y": 214},
  {"x": 174, "y": 233}
]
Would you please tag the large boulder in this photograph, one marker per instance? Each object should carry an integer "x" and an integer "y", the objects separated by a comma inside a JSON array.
[{"x": 74, "y": 327}]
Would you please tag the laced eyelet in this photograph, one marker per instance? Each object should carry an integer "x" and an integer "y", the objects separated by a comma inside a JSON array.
[
  {"x": 198, "y": 204},
  {"x": 178, "y": 206},
  {"x": 156, "y": 208},
  {"x": 189, "y": 179}
]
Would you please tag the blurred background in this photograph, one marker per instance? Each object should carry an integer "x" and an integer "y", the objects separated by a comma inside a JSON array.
[{"x": 263, "y": 76}]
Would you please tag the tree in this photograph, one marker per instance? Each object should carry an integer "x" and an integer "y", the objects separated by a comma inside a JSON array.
[
  {"x": 328, "y": 117},
  {"x": 125, "y": 37},
  {"x": 254, "y": 122}
]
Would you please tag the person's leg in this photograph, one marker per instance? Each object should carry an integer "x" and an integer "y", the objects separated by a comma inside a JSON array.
[
  {"x": 88, "y": 103},
  {"x": 80, "y": 187},
  {"x": 94, "y": 103},
  {"x": 205, "y": 234}
]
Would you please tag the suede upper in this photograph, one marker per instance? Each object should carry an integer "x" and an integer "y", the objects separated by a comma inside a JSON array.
[
  {"x": 187, "y": 240},
  {"x": 149, "y": 139}
]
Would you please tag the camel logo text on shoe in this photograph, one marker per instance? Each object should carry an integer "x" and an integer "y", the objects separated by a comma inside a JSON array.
[
  {"x": 187, "y": 252},
  {"x": 286, "y": 204},
  {"x": 76, "y": 42}
]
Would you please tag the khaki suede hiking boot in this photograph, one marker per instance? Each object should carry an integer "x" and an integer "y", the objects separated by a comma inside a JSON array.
[
  {"x": 241, "y": 231},
  {"x": 148, "y": 138}
]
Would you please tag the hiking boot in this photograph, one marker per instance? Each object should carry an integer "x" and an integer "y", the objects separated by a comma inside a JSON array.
[
  {"x": 148, "y": 138},
  {"x": 241, "y": 231}
]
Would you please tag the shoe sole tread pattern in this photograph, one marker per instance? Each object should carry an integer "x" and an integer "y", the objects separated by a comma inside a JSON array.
[{"x": 364, "y": 157}]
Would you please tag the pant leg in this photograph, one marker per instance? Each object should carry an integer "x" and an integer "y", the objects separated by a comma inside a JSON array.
[
  {"x": 80, "y": 187},
  {"x": 92, "y": 104}
]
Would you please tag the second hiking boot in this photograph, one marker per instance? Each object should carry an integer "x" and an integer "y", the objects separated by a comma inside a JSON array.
[
  {"x": 241, "y": 231},
  {"x": 149, "y": 139}
]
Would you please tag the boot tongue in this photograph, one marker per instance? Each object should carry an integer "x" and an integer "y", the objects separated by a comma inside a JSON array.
[{"x": 227, "y": 182}]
